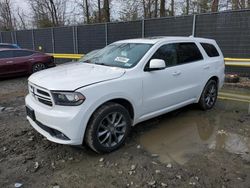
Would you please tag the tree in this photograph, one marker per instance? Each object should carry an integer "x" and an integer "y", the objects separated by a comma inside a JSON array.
[
  {"x": 21, "y": 23},
  {"x": 6, "y": 15},
  {"x": 242, "y": 4},
  {"x": 147, "y": 8},
  {"x": 156, "y": 9},
  {"x": 172, "y": 8},
  {"x": 187, "y": 7},
  {"x": 99, "y": 11},
  {"x": 215, "y": 5},
  {"x": 162, "y": 8},
  {"x": 87, "y": 10},
  {"x": 131, "y": 10},
  {"x": 106, "y": 10},
  {"x": 235, "y": 4},
  {"x": 48, "y": 13},
  {"x": 203, "y": 6}
]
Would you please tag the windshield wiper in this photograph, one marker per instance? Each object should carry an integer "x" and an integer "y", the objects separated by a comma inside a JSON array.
[{"x": 98, "y": 63}]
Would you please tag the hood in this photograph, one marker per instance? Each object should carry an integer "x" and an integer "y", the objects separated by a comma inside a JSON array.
[{"x": 71, "y": 76}]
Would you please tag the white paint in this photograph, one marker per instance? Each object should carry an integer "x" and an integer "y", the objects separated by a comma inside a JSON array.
[{"x": 150, "y": 93}]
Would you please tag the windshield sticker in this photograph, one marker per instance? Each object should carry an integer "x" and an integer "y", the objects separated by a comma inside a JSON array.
[{"x": 122, "y": 59}]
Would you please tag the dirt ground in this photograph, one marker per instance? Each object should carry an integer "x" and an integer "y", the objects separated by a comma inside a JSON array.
[{"x": 185, "y": 148}]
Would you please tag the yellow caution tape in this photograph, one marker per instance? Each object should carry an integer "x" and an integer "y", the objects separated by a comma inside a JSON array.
[{"x": 234, "y": 97}]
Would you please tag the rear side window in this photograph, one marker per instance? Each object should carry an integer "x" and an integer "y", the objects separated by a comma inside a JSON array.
[
  {"x": 6, "y": 46},
  {"x": 188, "y": 52},
  {"x": 6, "y": 54},
  {"x": 210, "y": 50},
  {"x": 178, "y": 53},
  {"x": 22, "y": 53}
]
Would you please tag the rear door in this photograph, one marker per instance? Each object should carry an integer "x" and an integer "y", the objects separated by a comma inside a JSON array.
[
  {"x": 6, "y": 60},
  {"x": 190, "y": 65}
]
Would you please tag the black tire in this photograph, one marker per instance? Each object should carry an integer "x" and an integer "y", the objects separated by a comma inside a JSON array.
[
  {"x": 99, "y": 131},
  {"x": 38, "y": 67},
  {"x": 209, "y": 95}
]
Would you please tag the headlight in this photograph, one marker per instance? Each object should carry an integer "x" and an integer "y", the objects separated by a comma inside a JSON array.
[{"x": 68, "y": 98}]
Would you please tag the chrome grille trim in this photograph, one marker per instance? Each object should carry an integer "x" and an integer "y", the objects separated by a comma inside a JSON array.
[{"x": 41, "y": 95}]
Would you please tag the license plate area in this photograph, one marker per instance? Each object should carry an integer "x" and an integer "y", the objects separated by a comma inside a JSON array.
[{"x": 30, "y": 113}]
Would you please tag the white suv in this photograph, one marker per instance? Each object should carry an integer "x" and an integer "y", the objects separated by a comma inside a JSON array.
[{"x": 99, "y": 98}]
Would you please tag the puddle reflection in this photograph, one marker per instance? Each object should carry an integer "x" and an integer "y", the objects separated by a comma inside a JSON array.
[{"x": 179, "y": 138}]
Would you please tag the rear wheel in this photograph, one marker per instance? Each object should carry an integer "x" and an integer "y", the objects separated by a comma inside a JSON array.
[
  {"x": 108, "y": 128},
  {"x": 209, "y": 95},
  {"x": 38, "y": 67}
]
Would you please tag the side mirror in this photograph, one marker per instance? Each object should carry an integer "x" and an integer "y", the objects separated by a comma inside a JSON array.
[{"x": 156, "y": 64}]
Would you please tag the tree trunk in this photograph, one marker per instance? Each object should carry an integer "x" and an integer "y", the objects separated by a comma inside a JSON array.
[
  {"x": 248, "y": 3},
  {"x": 54, "y": 12},
  {"x": 87, "y": 11},
  {"x": 243, "y": 4},
  {"x": 215, "y": 5},
  {"x": 99, "y": 11},
  {"x": 187, "y": 7},
  {"x": 235, "y": 4},
  {"x": 149, "y": 9},
  {"x": 172, "y": 7},
  {"x": 162, "y": 8},
  {"x": 106, "y": 10},
  {"x": 156, "y": 8}
]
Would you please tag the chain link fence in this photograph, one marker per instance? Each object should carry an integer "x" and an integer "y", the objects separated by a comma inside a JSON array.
[{"x": 230, "y": 29}]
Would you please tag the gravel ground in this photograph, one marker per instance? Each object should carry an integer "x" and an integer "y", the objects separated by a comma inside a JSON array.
[{"x": 222, "y": 159}]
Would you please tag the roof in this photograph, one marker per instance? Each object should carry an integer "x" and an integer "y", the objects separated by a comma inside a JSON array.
[
  {"x": 154, "y": 40},
  {"x": 17, "y": 49},
  {"x": 7, "y": 44}
]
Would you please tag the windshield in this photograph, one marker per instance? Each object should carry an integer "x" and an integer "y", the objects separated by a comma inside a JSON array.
[{"x": 125, "y": 55}]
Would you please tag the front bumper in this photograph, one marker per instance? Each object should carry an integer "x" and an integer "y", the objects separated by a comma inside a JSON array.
[{"x": 66, "y": 120}]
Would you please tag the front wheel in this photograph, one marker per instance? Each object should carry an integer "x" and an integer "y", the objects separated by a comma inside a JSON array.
[
  {"x": 108, "y": 128},
  {"x": 209, "y": 95}
]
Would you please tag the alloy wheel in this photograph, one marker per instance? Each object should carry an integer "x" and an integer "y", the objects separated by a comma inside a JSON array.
[{"x": 111, "y": 129}]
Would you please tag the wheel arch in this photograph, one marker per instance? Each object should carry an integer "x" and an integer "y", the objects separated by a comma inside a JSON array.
[
  {"x": 216, "y": 78},
  {"x": 122, "y": 101}
]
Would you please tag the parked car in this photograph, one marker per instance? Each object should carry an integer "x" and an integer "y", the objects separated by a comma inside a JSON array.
[
  {"x": 8, "y": 45},
  {"x": 125, "y": 83},
  {"x": 15, "y": 62}
]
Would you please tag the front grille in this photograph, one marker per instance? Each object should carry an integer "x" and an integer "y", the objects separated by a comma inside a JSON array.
[{"x": 40, "y": 94}]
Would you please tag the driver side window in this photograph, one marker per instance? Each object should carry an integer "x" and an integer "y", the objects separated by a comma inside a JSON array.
[{"x": 168, "y": 53}]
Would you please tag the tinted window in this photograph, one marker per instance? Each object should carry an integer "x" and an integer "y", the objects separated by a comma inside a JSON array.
[
  {"x": 167, "y": 53},
  {"x": 6, "y": 46},
  {"x": 188, "y": 52},
  {"x": 178, "y": 53},
  {"x": 6, "y": 54},
  {"x": 210, "y": 50},
  {"x": 22, "y": 53}
]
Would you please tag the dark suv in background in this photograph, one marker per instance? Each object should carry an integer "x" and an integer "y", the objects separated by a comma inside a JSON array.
[
  {"x": 17, "y": 62},
  {"x": 8, "y": 45}
]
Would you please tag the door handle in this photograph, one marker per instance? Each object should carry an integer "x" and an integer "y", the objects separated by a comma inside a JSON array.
[
  {"x": 176, "y": 73},
  {"x": 8, "y": 62},
  {"x": 206, "y": 67}
]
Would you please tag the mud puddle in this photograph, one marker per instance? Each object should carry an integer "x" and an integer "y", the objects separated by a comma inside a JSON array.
[{"x": 178, "y": 138}]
